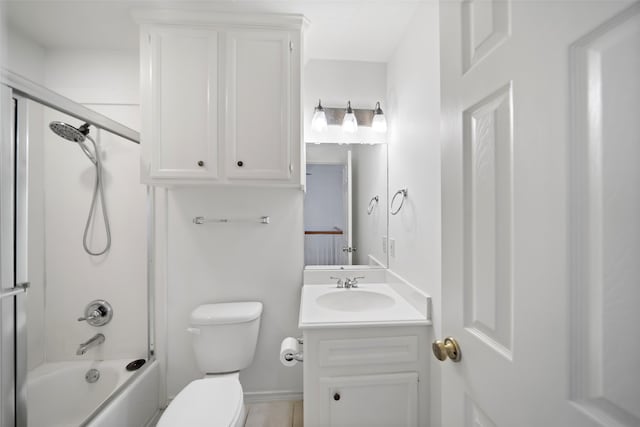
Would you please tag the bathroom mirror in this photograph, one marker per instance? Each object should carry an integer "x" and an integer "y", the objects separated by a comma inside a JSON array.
[{"x": 345, "y": 205}]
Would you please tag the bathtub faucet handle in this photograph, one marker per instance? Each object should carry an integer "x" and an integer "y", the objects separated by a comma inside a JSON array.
[
  {"x": 94, "y": 315},
  {"x": 97, "y": 313}
]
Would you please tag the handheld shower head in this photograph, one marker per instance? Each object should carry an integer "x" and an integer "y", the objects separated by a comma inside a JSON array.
[
  {"x": 80, "y": 136},
  {"x": 68, "y": 132},
  {"x": 73, "y": 134}
]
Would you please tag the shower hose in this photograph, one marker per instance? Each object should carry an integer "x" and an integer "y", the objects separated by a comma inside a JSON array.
[{"x": 98, "y": 189}]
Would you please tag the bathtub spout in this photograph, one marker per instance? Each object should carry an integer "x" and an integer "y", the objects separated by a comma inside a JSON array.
[{"x": 93, "y": 341}]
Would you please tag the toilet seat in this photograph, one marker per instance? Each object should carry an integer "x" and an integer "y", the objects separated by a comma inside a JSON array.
[{"x": 214, "y": 401}]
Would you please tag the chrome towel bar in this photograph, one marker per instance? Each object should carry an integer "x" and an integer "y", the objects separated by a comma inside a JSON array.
[{"x": 202, "y": 220}]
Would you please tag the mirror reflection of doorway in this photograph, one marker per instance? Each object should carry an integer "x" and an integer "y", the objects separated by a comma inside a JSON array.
[{"x": 327, "y": 219}]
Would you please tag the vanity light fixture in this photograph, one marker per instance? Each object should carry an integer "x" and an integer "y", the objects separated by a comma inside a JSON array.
[
  {"x": 379, "y": 122},
  {"x": 350, "y": 119},
  {"x": 319, "y": 121},
  {"x": 349, "y": 122}
]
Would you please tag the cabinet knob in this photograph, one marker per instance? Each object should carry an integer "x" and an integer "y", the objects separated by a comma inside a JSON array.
[
  {"x": 336, "y": 396},
  {"x": 240, "y": 163},
  {"x": 200, "y": 163}
]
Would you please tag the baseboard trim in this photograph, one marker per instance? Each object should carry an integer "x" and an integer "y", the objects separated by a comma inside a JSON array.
[{"x": 270, "y": 396}]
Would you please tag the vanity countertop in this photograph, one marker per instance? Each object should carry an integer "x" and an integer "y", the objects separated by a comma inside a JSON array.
[{"x": 370, "y": 304}]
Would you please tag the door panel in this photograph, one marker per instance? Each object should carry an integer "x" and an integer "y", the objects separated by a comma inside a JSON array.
[
  {"x": 605, "y": 233},
  {"x": 184, "y": 96},
  {"x": 488, "y": 147},
  {"x": 537, "y": 327},
  {"x": 258, "y": 110}
]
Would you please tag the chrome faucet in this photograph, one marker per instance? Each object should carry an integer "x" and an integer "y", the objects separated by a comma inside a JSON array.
[
  {"x": 97, "y": 339},
  {"x": 339, "y": 283},
  {"x": 352, "y": 283}
]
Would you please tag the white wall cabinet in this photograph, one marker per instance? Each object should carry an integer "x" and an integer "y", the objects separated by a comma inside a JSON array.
[
  {"x": 221, "y": 99},
  {"x": 367, "y": 376}
]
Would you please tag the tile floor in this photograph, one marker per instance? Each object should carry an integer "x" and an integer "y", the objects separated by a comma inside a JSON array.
[{"x": 273, "y": 414}]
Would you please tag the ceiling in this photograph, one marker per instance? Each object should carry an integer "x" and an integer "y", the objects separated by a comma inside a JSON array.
[{"x": 359, "y": 30}]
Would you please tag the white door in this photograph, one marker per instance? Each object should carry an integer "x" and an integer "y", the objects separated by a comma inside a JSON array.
[{"x": 541, "y": 212}]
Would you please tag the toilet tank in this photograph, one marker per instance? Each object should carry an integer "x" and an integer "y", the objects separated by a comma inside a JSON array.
[{"x": 225, "y": 335}]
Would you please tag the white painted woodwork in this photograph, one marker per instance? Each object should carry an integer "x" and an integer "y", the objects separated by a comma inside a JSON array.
[
  {"x": 221, "y": 98},
  {"x": 183, "y": 101},
  {"x": 380, "y": 372},
  {"x": 605, "y": 231},
  {"x": 395, "y": 396},
  {"x": 541, "y": 235},
  {"x": 258, "y": 105},
  {"x": 357, "y": 351}
]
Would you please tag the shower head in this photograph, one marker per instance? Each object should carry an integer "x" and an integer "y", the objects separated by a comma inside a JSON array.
[
  {"x": 77, "y": 135},
  {"x": 70, "y": 133}
]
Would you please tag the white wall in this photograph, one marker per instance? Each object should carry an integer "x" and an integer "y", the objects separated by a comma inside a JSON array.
[
  {"x": 24, "y": 56},
  {"x": 335, "y": 83},
  {"x": 414, "y": 163},
  {"x": 234, "y": 262}
]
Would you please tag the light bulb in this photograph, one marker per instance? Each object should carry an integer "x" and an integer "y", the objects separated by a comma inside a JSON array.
[
  {"x": 379, "y": 123},
  {"x": 349, "y": 123},
  {"x": 319, "y": 121}
]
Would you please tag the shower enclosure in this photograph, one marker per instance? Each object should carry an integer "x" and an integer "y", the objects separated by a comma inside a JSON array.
[{"x": 76, "y": 344}]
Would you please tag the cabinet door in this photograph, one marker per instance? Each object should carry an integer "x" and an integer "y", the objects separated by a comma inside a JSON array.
[
  {"x": 184, "y": 103},
  {"x": 258, "y": 110},
  {"x": 370, "y": 400}
]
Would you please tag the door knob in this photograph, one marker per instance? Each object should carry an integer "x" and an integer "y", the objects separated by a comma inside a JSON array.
[{"x": 449, "y": 348}]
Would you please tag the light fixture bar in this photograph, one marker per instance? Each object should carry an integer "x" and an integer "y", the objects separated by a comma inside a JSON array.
[{"x": 335, "y": 116}]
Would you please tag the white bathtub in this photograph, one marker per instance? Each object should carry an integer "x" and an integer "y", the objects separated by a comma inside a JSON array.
[{"x": 58, "y": 395}]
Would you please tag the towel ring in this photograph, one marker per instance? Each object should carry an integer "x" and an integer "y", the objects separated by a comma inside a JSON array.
[
  {"x": 372, "y": 204},
  {"x": 402, "y": 192}
]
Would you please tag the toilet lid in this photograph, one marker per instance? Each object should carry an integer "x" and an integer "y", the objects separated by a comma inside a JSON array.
[{"x": 210, "y": 402}]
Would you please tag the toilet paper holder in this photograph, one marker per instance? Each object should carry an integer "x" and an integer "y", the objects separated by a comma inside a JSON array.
[{"x": 298, "y": 357}]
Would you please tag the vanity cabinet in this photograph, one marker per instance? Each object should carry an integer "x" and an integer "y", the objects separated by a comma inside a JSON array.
[
  {"x": 370, "y": 400},
  {"x": 220, "y": 99},
  {"x": 366, "y": 376}
]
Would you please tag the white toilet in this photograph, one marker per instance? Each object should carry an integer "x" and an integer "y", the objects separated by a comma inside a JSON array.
[{"x": 224, "y": 342}]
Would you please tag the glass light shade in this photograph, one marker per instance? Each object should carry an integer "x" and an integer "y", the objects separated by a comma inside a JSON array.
[
  {"x": 379, "y": 123},
  {"x": 349, "y": 123},
  {"x": 319, "y": 121}
]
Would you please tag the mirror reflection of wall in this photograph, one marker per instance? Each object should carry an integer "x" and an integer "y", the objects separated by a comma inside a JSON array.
[{"x": 344, "y": 224}]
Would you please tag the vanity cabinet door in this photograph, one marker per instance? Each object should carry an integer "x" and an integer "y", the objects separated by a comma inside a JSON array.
[
  {"x": 258, "y": 113},
  {"x": 370, "y": 400},
  {"x": 180, "y": 103}
]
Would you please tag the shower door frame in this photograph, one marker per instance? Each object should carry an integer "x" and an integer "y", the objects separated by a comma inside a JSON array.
[{"x": 13, "y": 260}]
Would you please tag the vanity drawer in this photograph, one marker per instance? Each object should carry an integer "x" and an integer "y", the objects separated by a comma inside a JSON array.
[{"x": 368, "y": 351}]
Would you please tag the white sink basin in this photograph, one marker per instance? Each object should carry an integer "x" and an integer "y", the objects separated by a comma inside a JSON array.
[
  {"x": 354, "y": 300},
  {"x": 325, "y": 306}
]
